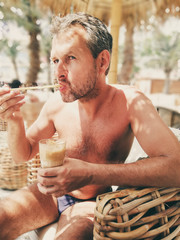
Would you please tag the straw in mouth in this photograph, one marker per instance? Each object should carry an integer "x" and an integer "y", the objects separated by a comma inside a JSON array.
[{"x": 36, "y": 87}]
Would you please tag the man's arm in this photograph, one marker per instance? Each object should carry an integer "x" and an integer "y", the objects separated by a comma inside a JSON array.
[
  {"x": 22, "y": 146},
  {"x": 74, "y": 174},
  {"x": 162, "y": 168},
  {"x": 19, "y": 145},
  {"x": 11, "y": 102}
]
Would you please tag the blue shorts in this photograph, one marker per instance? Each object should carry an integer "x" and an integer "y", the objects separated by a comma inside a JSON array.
[{"x": 67, "y": 201}]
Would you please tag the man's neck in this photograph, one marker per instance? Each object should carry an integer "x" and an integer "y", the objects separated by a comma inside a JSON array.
[{"x": 91, "y": 106}]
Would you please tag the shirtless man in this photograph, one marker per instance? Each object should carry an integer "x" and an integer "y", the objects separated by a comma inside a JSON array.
[{"x": 98, "y": 122}]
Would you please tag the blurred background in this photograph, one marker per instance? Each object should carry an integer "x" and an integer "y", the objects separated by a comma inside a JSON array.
[
  {"x": 146, "y": 50},
  {"x": 146, "y": 54}
]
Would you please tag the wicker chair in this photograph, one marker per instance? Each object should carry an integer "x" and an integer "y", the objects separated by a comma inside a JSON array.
[
  {"x": 12, "y": 175},
  {"x": 144, "y": 213}
]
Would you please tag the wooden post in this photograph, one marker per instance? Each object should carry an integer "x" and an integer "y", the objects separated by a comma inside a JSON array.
[{"x": 116, "y": 14}]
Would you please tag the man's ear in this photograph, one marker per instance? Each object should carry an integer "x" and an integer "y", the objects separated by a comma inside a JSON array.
[{"x": 103, "y": 61}]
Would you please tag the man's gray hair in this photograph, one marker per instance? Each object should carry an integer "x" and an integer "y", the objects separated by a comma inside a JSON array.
[{"x": 99, "y": 38}]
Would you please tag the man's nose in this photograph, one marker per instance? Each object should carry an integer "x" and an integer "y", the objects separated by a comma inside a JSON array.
[{"x": 61, "y": 70}]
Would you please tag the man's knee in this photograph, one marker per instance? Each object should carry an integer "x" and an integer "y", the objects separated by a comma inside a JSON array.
[
  {"x": 79, "y": 229},
  {"x": 4, "y": 222}
]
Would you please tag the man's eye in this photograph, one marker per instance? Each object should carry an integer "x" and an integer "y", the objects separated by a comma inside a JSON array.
[
  {"x": 71, "y": 57},
  {"x": 55, "y": 61}
]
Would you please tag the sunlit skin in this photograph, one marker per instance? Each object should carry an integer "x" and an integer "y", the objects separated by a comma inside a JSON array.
[
  {"x": 68, "y": 57},
  {"x": 69, "y": 54},
  {"x": 98, "y": 122}
]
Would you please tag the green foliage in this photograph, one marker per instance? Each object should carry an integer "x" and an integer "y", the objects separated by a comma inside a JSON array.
[
  {"x": 46, "y": 39},
  {"x": 26, "y": 15},
  {"x": 162, "y": 51},
  {"x": 10, "y": 48},
  {"x": 159, "y": 51},
  {"x": 23, "y": 12}
]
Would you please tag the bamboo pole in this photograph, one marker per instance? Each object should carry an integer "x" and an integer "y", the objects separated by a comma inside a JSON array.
[{"x": 116, "y": 15}]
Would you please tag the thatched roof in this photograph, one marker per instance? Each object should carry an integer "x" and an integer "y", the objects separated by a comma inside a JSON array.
[
  {"x": 138, "y": 10},
  {"x": 65, "y": 6}
]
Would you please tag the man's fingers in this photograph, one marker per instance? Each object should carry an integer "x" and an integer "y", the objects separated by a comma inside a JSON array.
[
  {"x": 49, "y": 172},
  {"x": 49, "y": 190},
  {"x": 8, "y": 113},
  {"x": 46, "y": 181}
]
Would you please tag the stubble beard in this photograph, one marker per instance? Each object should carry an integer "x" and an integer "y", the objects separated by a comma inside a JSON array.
[{"x": 86, "y": 91}]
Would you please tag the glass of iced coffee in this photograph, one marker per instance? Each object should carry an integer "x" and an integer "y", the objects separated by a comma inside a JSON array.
[{"x": 52, "y": 152}]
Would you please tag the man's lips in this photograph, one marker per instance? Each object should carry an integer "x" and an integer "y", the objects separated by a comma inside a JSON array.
[{"x": 62, "y": 87}]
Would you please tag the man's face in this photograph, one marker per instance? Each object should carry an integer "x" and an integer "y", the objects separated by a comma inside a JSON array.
[{"x": 74, "y": 66}]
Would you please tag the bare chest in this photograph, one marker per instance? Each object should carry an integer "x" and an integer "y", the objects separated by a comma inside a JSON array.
[{"x": 103, "y": 140}]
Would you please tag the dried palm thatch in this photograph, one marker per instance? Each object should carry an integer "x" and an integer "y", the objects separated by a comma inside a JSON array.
[
  {"x": 64, "y": 7},
  {"x": 170, "y": 7},
  {"x": 138, "y": 10}
]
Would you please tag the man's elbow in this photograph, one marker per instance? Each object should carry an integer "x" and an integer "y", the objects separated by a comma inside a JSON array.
[{"x": 175, "y": 166}]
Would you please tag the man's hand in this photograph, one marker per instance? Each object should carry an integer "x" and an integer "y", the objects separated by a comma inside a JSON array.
[
  {"x": 57, "y": 181},
  {"x": 10, "y": 103}
]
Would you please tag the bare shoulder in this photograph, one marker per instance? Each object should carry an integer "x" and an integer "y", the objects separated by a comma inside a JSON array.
[
  {"x": 127, "y": 89},
  {"x": 132, "y": 94},
  {"x": 139, "y": 106},
  {"x": 54, "y": 98},
  {"x": 53, "y": 103},
  {"x": 55, "y": 106}
]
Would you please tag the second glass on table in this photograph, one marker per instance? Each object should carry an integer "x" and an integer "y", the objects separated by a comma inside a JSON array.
[{"x": 52, "y": 152}]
